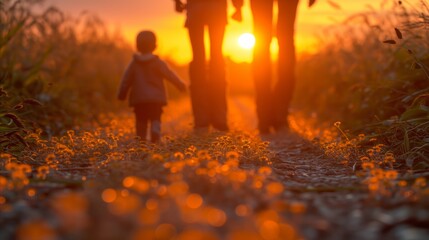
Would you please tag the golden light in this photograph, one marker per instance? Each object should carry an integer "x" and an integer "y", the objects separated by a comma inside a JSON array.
[{"x": 246, "y": 40}]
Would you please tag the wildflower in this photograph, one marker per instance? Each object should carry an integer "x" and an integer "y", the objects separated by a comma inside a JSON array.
[
  {"x": 389, "y": 158},
  {"x": 151, "y": 204},
  {"x": 377, "y": 149},
  {"x": 25, "y": 168},
  {"x": 391, "y": 174},
  {"x": 420, "y": 182},
  {"x": 265, "y": 171},
  {"x": 179, "y": 156},
  {"x": 337, "y": 124},
  {"x": 109, "y": 195},
  {"x": 215, "y": 217},
  {"x": 377, "y": 173},
  {"x": 275, "y": 188},
  {"x": 203, "y": 155},
  {"x": 242, "y": 210},
  {"x": 42, "y": 172},
  {"x": 128, "y": 181},
  {"x": 192, "y": 148},
  {"x": 6, "y": 157},
  {"x": 402, "y": 183},
  {"x": 38, "y": 229},
  {"x": 3, "y": 183},
  {"x": 157, "y": 157},
  {"x": 373, "y": 184},
  {"x": 12, "y": 166},
  {"x": 31, "y": 192},
  {"x": 194, "y": 201},
  {"x": 232, "y": 155},
  {"x": 367, "y": 165},
  {"x": 298, "y": 207},
  {"x": 71, "y": 134},
  {"x": 51, "y": 160}
]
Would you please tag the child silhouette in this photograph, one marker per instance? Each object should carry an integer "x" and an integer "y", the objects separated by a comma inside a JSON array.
[{"x": 143, "y": 78}]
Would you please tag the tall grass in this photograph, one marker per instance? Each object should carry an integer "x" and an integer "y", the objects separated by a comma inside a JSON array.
[
  {"x": 68, "y": 67},
  {"x": 371, "y": 74}
]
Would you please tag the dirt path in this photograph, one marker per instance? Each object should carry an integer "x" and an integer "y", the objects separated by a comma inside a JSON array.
[
  {"x": 103, "y": 184},
  {"x": 338, "y": 204}
]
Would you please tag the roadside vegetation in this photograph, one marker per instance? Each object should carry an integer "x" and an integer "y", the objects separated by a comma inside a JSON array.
[
  {"x": 71, "y": 167},
  {"x": 372, "y": 75}
]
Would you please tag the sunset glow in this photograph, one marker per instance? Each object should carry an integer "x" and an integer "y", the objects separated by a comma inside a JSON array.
[
  {"x": 246, "y": 41},
  {"x": 131, "y": 17}
]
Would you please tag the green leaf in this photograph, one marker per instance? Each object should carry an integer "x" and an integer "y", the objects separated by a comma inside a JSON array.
[
  {"x": 398, "y": 33},
  {"x": 415, "y": 112},
  {"x": 389, "y": 41},
  {"x": 406, "y": 141}
]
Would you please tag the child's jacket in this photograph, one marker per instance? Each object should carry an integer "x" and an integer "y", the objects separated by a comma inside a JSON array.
[{"x": 144, "y": 79}]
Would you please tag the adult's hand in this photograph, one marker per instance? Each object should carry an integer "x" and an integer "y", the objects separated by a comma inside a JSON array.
[
  {"x": 311, "y": 2},
  {"x": 179, "y": 6},
  {"x": 237, "y": 16}
]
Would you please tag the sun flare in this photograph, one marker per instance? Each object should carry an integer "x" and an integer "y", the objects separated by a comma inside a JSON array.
[{"x": 246, "y": 40}]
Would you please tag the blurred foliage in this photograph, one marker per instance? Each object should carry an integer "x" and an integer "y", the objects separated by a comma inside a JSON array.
[
  {"x": 371, "y": 73},
  {"x": 71, "y": 66}
]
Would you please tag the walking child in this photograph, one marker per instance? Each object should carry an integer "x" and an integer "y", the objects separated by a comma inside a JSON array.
[{"x": 144, "y": 80}]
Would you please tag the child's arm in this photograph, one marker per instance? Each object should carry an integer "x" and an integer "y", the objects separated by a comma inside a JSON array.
[
  {"x": 125, "y": 84},
  {"x": 172, "y": 77}
]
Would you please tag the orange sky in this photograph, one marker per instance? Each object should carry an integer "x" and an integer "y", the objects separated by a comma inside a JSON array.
[{"x": 130, "y": 16}]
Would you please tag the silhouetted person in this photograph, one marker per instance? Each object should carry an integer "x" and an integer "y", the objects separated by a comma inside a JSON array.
[
  {"x": 273, "y": 97},
  {"x": 208, "y": 82},
  {"x": 143, "y": 78}
]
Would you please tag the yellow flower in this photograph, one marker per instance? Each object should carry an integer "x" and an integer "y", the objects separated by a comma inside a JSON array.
[
  {"x": 179, "y": 156},
  {"x": 367, "y": 165},
  {"x": 232, "y": 155},
  {"x": 420, "y": 182},
  {"x": 157, "y": 157},
  {"x": 391, "y": 174}
]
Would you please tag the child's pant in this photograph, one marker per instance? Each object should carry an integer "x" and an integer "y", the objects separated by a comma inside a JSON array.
[{"x": 148, "y": 115}]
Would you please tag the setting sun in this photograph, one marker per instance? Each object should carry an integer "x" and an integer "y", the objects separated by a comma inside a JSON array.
[{"x": 246, "y": 40}]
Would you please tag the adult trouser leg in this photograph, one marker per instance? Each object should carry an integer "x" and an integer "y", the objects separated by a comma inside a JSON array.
[
  {"x": 198, "y": 77},
  {"x": 262, "y": 11},
  {"x": 217, "y": 86},
  {"x": 285, "y": 85}
]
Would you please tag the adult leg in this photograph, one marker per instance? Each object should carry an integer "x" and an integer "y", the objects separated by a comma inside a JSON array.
[
  {"x": 217, "y": 85},
  {"x": 285, "y": 85},
  {"x": 198, "y": 76},
  {"x": 141, "y": 121},
  {"x": 262, "y": 11}
]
